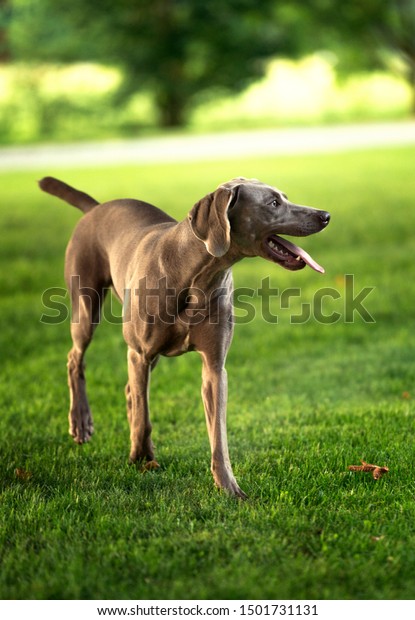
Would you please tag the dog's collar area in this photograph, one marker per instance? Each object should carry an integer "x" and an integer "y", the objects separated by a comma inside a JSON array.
[{"x": 288, "y": 254}]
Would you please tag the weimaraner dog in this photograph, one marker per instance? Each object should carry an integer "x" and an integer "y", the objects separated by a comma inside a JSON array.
[{"x": 175, "y": 282}]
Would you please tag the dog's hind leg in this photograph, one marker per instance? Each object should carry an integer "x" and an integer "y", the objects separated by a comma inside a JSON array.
[{"x": 87, "y": 302}]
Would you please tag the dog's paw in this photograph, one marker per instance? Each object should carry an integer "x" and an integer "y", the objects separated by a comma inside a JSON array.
[
  {"x": 236, "y": 491},
  {"x": 142, "y": 454},
  {"x": 81, "y": 436},
  {"x": 81, "y": 430},
  {"x": 231, "y": 487}
]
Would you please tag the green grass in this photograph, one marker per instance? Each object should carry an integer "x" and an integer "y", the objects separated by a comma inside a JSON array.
[{"x": 305, "y": 401}]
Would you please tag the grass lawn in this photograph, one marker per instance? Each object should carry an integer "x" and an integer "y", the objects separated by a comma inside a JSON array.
[{"x": 305, "y": 401}]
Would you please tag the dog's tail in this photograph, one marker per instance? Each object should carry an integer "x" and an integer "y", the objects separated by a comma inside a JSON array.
[{"x": 68, "y": 193}]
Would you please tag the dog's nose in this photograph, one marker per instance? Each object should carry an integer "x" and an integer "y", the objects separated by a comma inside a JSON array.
[{"x": 325, "y": 217}]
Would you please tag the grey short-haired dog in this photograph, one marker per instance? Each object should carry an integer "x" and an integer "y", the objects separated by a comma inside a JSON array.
[{"x": 175, "y": 282}]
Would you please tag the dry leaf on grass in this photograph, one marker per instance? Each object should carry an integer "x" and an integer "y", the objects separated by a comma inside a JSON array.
[
  {"x": 149, "y": 466},
  {"x": 376, "y": 538},
  {"x": 22, "y": 474},
  {"x": 377, "y": 471}
]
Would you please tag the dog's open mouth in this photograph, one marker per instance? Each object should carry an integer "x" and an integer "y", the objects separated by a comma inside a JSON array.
[{"x": 289, "y": 255}]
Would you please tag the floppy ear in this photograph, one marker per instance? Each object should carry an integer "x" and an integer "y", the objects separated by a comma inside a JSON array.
[{"x": 209, "y": 221}]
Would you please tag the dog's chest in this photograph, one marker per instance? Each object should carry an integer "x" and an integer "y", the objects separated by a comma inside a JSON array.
[
  {"x": 178, "y": 344},
  {"x": 168, "y": 318}
]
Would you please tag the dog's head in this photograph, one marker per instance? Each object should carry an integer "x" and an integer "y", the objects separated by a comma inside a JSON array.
[{"x": 248, "y": 216}]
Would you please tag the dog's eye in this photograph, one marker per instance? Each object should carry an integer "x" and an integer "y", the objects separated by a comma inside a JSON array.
[{"x": 275, "y": 203}]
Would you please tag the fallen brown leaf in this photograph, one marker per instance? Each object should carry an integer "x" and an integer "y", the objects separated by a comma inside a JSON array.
[
  {"x": 377, "y": 471},
  {"x": 22, "y": 474},
  {"x": 376, "y": 538}
]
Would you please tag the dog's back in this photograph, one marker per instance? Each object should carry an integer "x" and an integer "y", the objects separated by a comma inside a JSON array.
[{"x": 107, "y": 236}]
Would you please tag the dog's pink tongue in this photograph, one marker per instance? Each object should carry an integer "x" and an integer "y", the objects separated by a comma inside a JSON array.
[{"x": 300, "y": 252}]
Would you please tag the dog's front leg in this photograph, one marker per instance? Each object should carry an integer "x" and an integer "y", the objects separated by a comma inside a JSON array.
[
  {"x": 137, "y": 407},
  {"x": 214, "y": 394}
]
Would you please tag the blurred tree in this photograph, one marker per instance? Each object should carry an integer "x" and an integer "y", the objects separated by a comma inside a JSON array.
[
  {"x": 368, "y": 33},
  {"x": 5, "y": 14},
  {"x": 180, "y": 50}
]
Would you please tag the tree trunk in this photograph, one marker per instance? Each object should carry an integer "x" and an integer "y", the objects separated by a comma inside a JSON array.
[
  {"x": 412, "y": 84},
  {"x": 171, "y": 109},
  {"x": 5, "y": 55}
]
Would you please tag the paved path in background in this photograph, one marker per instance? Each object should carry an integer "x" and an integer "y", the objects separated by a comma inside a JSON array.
[{"x": 230, "y": 145}]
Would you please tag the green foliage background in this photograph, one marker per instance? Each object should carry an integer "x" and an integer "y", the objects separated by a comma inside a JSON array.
[{"x": 175, "y": 57}]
